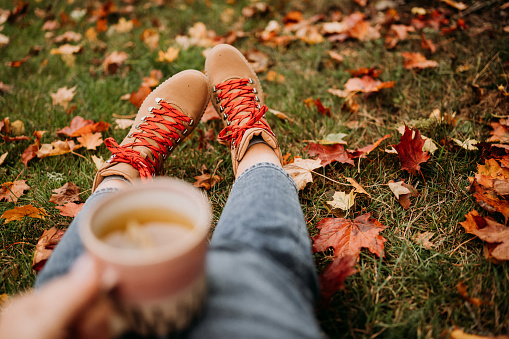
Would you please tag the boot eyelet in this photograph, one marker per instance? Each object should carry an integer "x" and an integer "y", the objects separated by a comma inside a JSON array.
[
  {"x": 158, "y": 100},
  {"x": 227, "y": 122},
  {"x": 130, "y": 135},
  {"x": 251, "y": 81},
  {"x": 257, "y": 99},
  {"x": 150, "y": 109},
  {"x": 258, "y": 106},
  {"x": 178, "y": 140},
  {"x": 221, "y": 109},
  {"x": 217, "y": 100},
  {"x": 191, "y": 122},
  {"x": 170, "y": 149},
  {"x": 185, "y": 132},
  {"x": 214, "y": 89},
  {"x": 255, "y": 91},
  {"x": 143, "y": 119},
  {"x": 137, "y": 126},
  {"x": 225, "y": 116}
]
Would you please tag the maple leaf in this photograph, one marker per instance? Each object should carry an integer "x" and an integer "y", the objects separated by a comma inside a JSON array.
[
  {"x": 335, "y": 274},
  {"x": 397, "y": 33},
  {"x": 150, "y": 37},
  {"x": 330, "y": 153},
  {"x": 427, "y": 44},
  {"x": 91, "y": 141},
  {"x": 310, "y": 35},
  {"x": 154, "y": 78},
  {"x": 489, "y": 200},
  {"x": 433, "y": 19},
  {"x": 123, "y": 26},
  {"x": 258, "y": 60},
  {"x": 206, "y": 180},
  {"x": 349, "y": 236},
  {"x": 499, "y": 133},
  {"x": 357, "y": 186},
  {"x": 124, "y": 123},
  {"x": 300, "y": 170},
  {"x": 68, "y": 36},
  {"x": 66, "y": 49},
  {"x": 410, "y": 151},
  {"x": 63, "y": 96},
  {"x": 98, "y": 162},
  {"x": 31, "y": 151},
  {"x": 45, "y": 245},
  {"x": 57, "y": 147},
  {"x": 423, "y": 239},
  {"x": 70, "y": 209},
  {"x": 113, "y": 61},
  {"x": 402, "y": 191},
  {"x": 372, "y": 72},
  {"x": 170, "y": 55},
  {"x": 11, "y": 191},
  {"x": 210, "y": 114},
  {"x": 366, "y": 84},
  {"x": 19, "y": 212},
  {"x": 342, "y": 201},
  {"x": 364, "y": 151},
  {"x": 67, "y": 193},
  {"x": 76, "y": 124},
  {"x": 137, "y": 98},
  {"x": 417, "y": 60},
  {"x": 492, "y": 176}
]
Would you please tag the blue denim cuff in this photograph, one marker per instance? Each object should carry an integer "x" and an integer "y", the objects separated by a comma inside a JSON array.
[{"x": 271, "y": 166}]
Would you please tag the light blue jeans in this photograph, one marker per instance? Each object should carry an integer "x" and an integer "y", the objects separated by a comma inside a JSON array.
[{"x": 261, "y": 276}]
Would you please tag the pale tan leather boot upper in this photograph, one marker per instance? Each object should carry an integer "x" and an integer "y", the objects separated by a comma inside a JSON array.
[
  {"x": 237, "y": 96},
  {"x": 166, "y": 117}
]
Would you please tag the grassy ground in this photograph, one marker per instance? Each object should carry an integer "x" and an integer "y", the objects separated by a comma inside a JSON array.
[{"x": 411, "y": 292}]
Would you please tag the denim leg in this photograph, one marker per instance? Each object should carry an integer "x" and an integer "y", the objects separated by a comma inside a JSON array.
[
  {"x": 262, "y": 279},
  {"x": 70, "y": 247}
]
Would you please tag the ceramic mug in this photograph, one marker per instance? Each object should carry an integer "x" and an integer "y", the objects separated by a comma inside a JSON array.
[{"x": 152, "y": 239}]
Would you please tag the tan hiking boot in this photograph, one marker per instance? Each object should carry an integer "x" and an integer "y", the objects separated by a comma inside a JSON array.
[
  {"x": 166, "y": 117},
  {"x": 237, "y": 96}
]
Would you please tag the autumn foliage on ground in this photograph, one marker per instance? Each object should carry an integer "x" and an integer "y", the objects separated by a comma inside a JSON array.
[{"x": 392, "y": 115}]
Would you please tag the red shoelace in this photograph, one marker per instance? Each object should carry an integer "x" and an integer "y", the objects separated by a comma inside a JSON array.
[
  {"x": 165, "y": 139},
  {"x": 238, "y": 105}
]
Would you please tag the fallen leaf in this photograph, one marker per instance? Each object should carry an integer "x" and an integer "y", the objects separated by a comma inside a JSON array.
[
  {"x": 423, "y": 239},
  {"x": 347, "y": 237},
  {"x": 357, "y": 186},
  {"x": 17, "y": 63},
  {"x": 123, "y": 26},
  {"x": 500, "y": 133},
  {"x": 98, "y": 162},
  {"x": 300, "y": 170},
  {"x": 402, "y": 191},
  {"x": 431, "y": 19},
  {"x": 5, "y": 88},
  {"x": 91, "y": 141},
  {"x": 19, "y": 212},
  {"x": 372, "y": 72},
  {"x": 336, "y": 56},
  {"x": 458, "y": 5},
  {"x": 57, "y": 147},
  {"x": 50, "y": 25},
  {"x": 68, "y": 36},
  {"x": 18, "y": 128},
  {"x": 3, "y": 157},
  {"x": 4, "y": 40},
  {"x": 364, "y": 151},
  {"x": 210, "y": 113},
  {"x": 459, "y": 334},
  {"x": 468, "y": 144},
  {"x": 489, "y": 200},
  {"x": 124, "y": 123},
  {"x": 170, "y": 55},
  {"x": 76, "y": 123},
  {"x": 138, "y": 97},
  {"x": 310, "y": 35},
  {"x": 281, "y": 115},
  {"x": 410, "y": 151},
  {"x": 66, "y": 49},
  {"x": 397, "y": 33},
  {"x": 335, "y": 274},
  {"x": 333, "y": 138},
  {"x": 366, "y": 84},
  {"x": 11, "y": 191},
  {"x": 153, "y": 80},
  {"x": 342, "y": 200},
  {"x": 427, "y": 44},
  {"x": 274, "y": 76},
  {"x": 258, "y": 60},
  {"x": 206, "y": 181},
  {"x": 462, "y": 290},
  {"x": 330, "y": 153},
  {"x": 417, "y": 60},
  {"x": 113, "y": 61},
  {"x": 150, "y": 37},
  {"x": 70, "y": 209},
  {"x": 63, "y": 96},
  {"x": 31, "y": 151},
  {"x": 67, "y": 193},
  {"x": 45, "y": 245}
]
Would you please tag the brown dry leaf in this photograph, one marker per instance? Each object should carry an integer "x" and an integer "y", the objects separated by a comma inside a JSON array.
[
  {"x": 57, "y": 147},
  {"x": 347, "y": 237},
  {"x": 273, "y": 76},
  {"x": 91, "y": 34},
  {"x": 330, "y": 153},
  {"x": 427, "y": 44},
  {"x": 397, "y": 33},
  {"x": 281, "y": 115},
  {"x": 67, "y": 193},
  {"x": 489, "y": 200},
  {"x": 336, "y": 56},
  {"x": 6, "y": 88},
  {"x": 424, "y": 239},
  {"x": 124, "y": 123},
  {"x": 91, "y": 141},
  {"x": 403, "y": 191},
  {"x": 66, "y": 50},
  {"x": 258, "y": 60},
  {"x": 31, "y": 151},
  {"x": 113, "y": 61},
  {"x": 462, "y": 290},
  {"x": 335, "y": 274},
  {"x": 68, "y": 36},
  {"x": 372, "y": 72},
  {"x": 206, "y": 180},
  {"x": 153, "y": 80},
  {"x": 210, "y": 113},
  {"x": 366, "y": 84},
  {"x": 63, "y": 96},
  {"x": 50, "y": 25},
  {"x": 76, "y": 124},
  {"x": 300, "y": 170},
  {"x": 98, "y": 162},
  {"x": 3, "y": 157},
  {"x": 342, "y": 200},
  {"x": 11, "y": 191},
  {"x": 123, "y": 26},
  {"x": 417, "y": 60},
  {"x": 4, "y": 40},
  {"x": 19, "y": 212},
  {"x": 492, "y": 176},
  {"x": 70, "y": 209},
  {"x": 310, "y": 35},
  {"x": 45, "y": 246},
  {"x": 458, "y": 5},
  {"x": 357, "y": 186},
  {"x": 150, "y": 37},
  {"x": 459, "y": 334},
  {"x": 170, "y": 55},
  {"x": 500, "y": 133},
  {"x": 138, "y": 97}
]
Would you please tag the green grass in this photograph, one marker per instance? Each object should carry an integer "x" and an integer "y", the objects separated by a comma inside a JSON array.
[{"x": 411, "y": 292}]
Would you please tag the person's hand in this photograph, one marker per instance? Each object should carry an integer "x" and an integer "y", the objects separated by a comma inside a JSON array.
[{"x": 72, "y": 306}]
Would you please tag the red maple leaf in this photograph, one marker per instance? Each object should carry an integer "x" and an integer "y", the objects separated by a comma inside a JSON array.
[
  {"x": 70, "y": 209},
  {"x": 349, "y": 236},
  {"x": 330, "y": 153},
  {"x": 138, "y": 97},
  {"x": 334, "y": 276},
  {"x": 80, "y": 126},
  {"x": 364, "y": 151},
  {"x": 45, "y": 246},
  {"x": 410, "y": 151}
]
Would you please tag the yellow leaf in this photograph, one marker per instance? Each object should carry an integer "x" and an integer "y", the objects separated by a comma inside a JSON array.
[
  {"x": 63, "y": 96},
  {"x": 18, "y": 213},
  {"x": 342, "y": 200},
  {"x": 300, "y": 170},
  {"x": 170, "y": 55}
]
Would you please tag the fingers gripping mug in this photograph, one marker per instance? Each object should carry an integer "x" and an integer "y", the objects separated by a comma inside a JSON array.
[{"x": 152, "y": 238}]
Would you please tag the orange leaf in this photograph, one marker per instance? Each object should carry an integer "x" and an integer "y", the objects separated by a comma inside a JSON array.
[
  {"x": 462, "y": 290},
  {"x": 70, "y": 209},
  {"x": 91, "y": 141},
  {"x": 330, "y": 153},
  {"x": 210, "y": 114},
  {"x": 410, "y": 151},
  {"x": 372, "y": 72},
  {"x": 427, "y": 44},
  {"x": 417, "y": 60},
  {"x": 67, "y": 193},
  {"x": 489, "y": 200},
  {"x": 18, "y": 213},
  {"x": 334, "y": 276},
  {"x": 150, "y": 37},
  {"x": 347, "y": 237},
  {"x": 258, "y": 60},
  {"x": 206, "y": 181},
  {"x": 76, "y": 123},
  {"x": 11, "y": 191},
  {"x": 113, "y": 61},
  {"x": 137, "y": 98},
  {"x": 63, "y": 96},
  {"x": 57, "y": 147},
  {"x": 300, "y": 170},
  {"x": 45, "y": 245},
  {"x": 364, "y": 151},
  {"x": 152, "y": 81}
]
